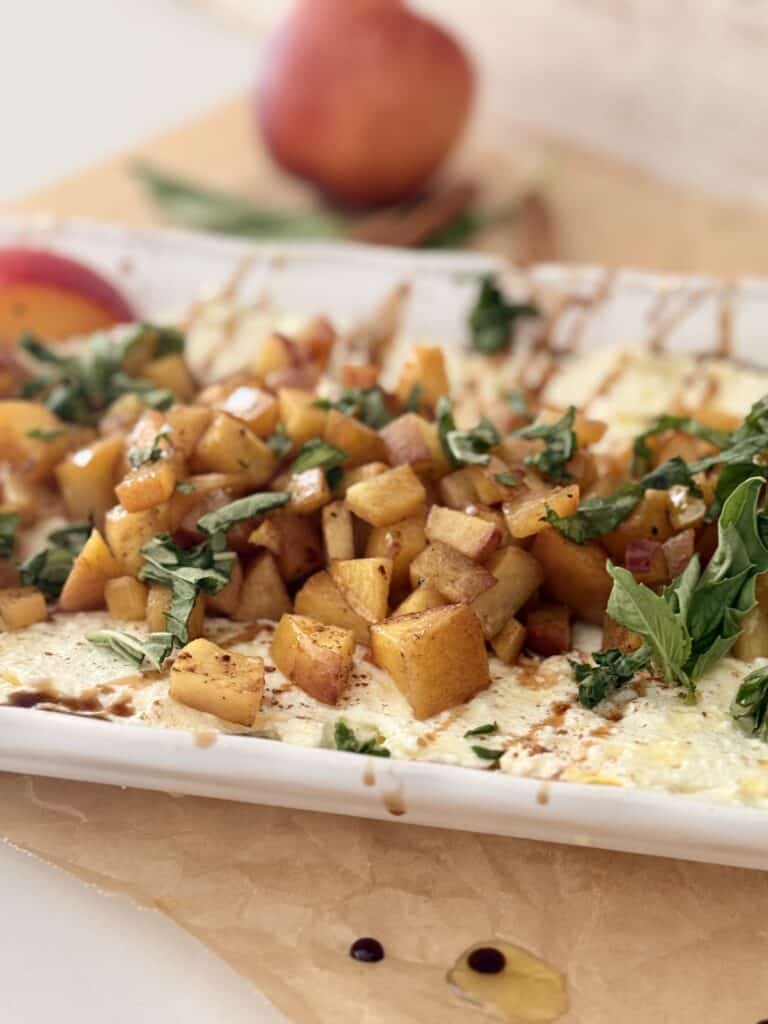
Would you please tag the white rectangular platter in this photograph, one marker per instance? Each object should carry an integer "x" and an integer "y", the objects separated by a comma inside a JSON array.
[{"x": 164, "y": 272}]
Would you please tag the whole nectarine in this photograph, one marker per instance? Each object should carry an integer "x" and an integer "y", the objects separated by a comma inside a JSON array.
[
  {"x": 364, "y": 98},
  {"x": 54, "y": 296}
]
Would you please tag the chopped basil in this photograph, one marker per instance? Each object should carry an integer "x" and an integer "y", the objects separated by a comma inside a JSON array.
[
  {"x": 493, "y": 319},
  {"x": 244, "y": 508},
  {"x": 280, "y": 443},
  {"x": 187, "y": 572},
  {"x": 9, "y": 522},
  {"x": 369, "y": 405},
  {"x": 507, "y": 479},
  {"x": 71, "y": 537},
  {"x": 464, "y": 447},
  {"x": 79, "y": 388},
  {"x": 599, "y": 515},
  {"x": 559, "y": 445},
  {"x": 48, "y": 569},
  {"x": 750, "y": 705},
  {"x": 610, "y": 670},
  {"x": 413, "y": 401},
  {"x": 641, "y": 452},
  {"x": 185, "y": 487},
  {"x": 43, "y": 435},
  {"x": 482, "y": 730},
  {"x": 154, "y": 648},
  {"x": 487, "y": 754},
  {"x": 318, "y": 453},
  {"x": 140, "y": 455},
  {"x": 519, "y": 404},
  {"x": 344, "y": 738}
]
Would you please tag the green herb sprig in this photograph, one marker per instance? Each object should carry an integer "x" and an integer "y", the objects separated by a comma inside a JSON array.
[
  {"x": 9, "y": 524},
  {"x": 559, "y": 446},
  {"x": 493, "y": 318},
  {"x": 464, "y": 447},
  {"x": 154, "y": 649},
  {"x": 79, "y": 388},
  {"x": 344, "y": 738},
  {"x": 608, "y": 672},
  {"x": 369, "y": 405},
  {"x": 750, "y": 705},
  {"x": 49, "y": 568}
]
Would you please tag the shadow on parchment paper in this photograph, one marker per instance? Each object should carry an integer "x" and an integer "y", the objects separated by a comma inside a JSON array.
[{"x": 281, "y": 894}]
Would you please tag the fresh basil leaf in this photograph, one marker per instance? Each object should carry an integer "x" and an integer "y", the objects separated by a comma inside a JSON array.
[
  {"x": 599, "y": 515},
  {"x": 507, "y": 479},
  {"x": 318, "y": 453},
  {"x": 139, "y": 455},
  {"x": 345, "y": 739},
  {"x": 559, "y": 445},
  {"x": 244, "y": 508},
  {"x": 482, "y": 730},
  {"x": 610, "y": 670},
  {"x": 679, "y": 593},
  {"x": 9, "y": 523},
  {"x": 750, "y": 705},
  {"x": 71, "y": 537},
  {"x": 641, "y": 452},
  {"x": 79, "y": 388},
  {"x": 369, "y": 405},
  {"x": 187, "y": 572},
  {"x": 280, "y": 443},
  {"x": 638, "y": 608},
  {"x": 487, "y": 754},
  {"x": 596, "y": 516},
  {"x": 464, "y": 447},
  {"x": 493, "y": 319},
  {"x": 185, "y": 487},
  {"x": 413, "y": 401},
  {"x": 43, "y": 435},
  {"x": 519, "y": 404},
  {"x": 726, "y": 590},
  {"x": 154, "y": 648},
  {"x": 47, "y": 570}
]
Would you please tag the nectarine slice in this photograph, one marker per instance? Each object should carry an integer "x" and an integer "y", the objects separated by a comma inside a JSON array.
[{"x": 54, "y": 297}]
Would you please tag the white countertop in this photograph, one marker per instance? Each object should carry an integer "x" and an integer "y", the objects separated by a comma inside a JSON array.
[{"x": 82, "y": 79}]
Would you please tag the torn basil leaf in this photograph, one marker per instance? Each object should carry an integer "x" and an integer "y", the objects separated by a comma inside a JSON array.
[
  {"x": 9, "y": 523},
  {"x": 48, "y": 569},
  {"x": 464, "y": 447},
  {"x": 609, "y": 671},
  {"x": 641, "y": 452},
  {"x": 243, "y": 508},
  {"x": 316, "y": 453},
  {"x": 493, "y": 319},
  {"x": 187, "y": 572},
  {"x": 750, "y": 705},
  {"x": 488, "y": 754},
  {"x": 279, "y": 443},
  {"x": 139, "y": 455},
  {"x": 482, "y": 730},
  {"x": 599, "y": 515},
  {"x": 43, "y": 435},
  {"x": 369, "y": 405},
  {"x": 154, "y": 649},
  {"x": 559, "y": 445},
  {"x": 344, "y": 738}
]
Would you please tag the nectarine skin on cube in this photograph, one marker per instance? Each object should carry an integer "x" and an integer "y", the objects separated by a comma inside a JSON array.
[
  {"x": 316, "y": 657},
  {"x": 436, "y": 657}
]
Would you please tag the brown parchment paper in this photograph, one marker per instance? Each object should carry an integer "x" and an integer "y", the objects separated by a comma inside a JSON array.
[{"x": 281, "y": 894}]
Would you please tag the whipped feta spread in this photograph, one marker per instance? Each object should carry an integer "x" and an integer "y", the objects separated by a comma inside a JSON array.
[{"x": 641, "y": 738}]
